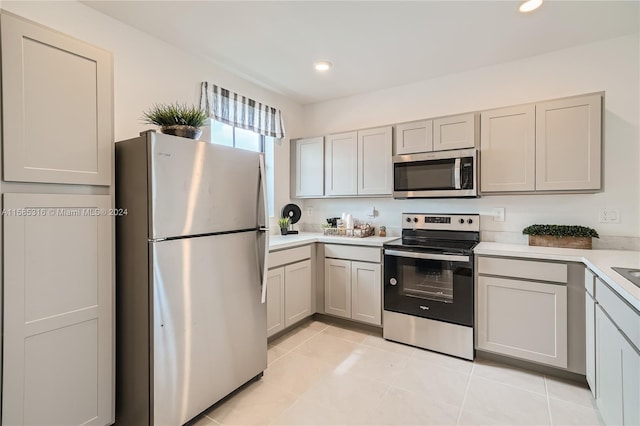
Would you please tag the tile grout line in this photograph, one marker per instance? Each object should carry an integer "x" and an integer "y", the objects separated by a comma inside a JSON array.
[
  {"x": 297, "y": 346},
  {"x": 466, "y": 391},
  {"x": 546, "y": 391}
]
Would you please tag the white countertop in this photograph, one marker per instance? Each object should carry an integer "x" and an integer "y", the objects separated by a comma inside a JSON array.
[
  {"x": 279, "y": 242},
  {"x": 599, "y": 261}
]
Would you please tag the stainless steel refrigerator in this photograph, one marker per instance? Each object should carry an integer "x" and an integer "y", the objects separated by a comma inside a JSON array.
[{"x": 191, "y": 248}]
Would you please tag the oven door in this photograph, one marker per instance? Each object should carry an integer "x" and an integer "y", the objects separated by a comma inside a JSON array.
[{"x": 429, "y": 285}]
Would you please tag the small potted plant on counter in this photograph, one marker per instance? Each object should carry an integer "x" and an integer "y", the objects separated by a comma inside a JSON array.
[
  {"x": 283, "y": 222},
  {"x": 566, "y": 236},
  {"x": 177, "y": 119}
]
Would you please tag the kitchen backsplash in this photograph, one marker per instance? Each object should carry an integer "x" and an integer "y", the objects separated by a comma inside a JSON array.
[{"x": 520, "y": 211}]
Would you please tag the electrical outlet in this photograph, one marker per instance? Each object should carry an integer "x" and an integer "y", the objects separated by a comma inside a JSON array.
[
  {"x": 498, "y": 214},
  {"x": 371, "y": 211},
  {"x": 309, "y": 211},
  {"x": 607, "y": 215}
]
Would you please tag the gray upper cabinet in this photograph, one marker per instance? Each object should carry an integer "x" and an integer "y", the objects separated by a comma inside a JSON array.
[
  {"x": 309, "y": 167},
  {"x": 414, "y": 137},
  {"x": 568, "y": 133},
  {"x": 358, "y": 163},
  {"x": 374, "y": 161},
  {"x": 548, "y": 146},
  {"x": 507, "y": 144},
  {"x": 341, "y": 159},
  {"x": 57, "y": 106},
  {"x": 454, "y": 132}
]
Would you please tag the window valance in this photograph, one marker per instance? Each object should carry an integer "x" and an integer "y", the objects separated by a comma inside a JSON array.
[{"x": 239, "y": 111}]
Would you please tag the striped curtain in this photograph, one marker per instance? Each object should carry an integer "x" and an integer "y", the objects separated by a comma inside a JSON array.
[{"x": 239, "y": 111}]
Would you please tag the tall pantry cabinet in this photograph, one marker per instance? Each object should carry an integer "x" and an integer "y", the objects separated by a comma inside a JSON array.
[{"x": 57, "y": 242}]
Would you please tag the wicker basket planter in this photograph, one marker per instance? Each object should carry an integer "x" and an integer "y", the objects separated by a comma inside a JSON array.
[
  {"x": 565, "y": 236},
  {"x": 565, "y": 242}
]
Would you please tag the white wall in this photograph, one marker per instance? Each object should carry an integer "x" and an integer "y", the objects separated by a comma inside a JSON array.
[
  {"x": 148, "y": 70},
  {"x": 611, "y": 66}
]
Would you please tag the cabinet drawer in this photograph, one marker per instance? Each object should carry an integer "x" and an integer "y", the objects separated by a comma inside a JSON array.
[
  {"x": 624, "y": 316},
  {"x": 527, "y": 269},
  {"x": 283, "y": 257},
  {"x": 364, "y": 254}
]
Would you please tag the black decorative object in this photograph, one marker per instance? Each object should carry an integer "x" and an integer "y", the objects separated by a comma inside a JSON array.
[{"x": 293, "y": 212}]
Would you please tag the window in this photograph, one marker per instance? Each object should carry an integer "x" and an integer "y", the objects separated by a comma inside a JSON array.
[{"x": 224, "y": 134}]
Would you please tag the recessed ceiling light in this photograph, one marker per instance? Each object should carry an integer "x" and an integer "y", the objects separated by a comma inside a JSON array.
[
  {"x": 530, "y": 5},
  {"x": 323, "y": 65}
]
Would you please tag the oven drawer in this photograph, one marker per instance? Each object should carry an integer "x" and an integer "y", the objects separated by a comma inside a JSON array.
[
  {"x": 363, "y": 254},
  {"x": 527, "y": 269}
]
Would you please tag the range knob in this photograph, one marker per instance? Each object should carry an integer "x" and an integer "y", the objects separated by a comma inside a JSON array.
[
  {"x": 469, "y": 221},
  {"x": 461, "y": 220},
  {"x": 415, "y": 220},
  {"x": 408, "y": 219}
]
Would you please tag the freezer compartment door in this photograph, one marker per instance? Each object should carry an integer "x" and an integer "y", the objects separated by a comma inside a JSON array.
[
  {"x": 209, "y": 327},
  {"x": 201, "y": 188}
]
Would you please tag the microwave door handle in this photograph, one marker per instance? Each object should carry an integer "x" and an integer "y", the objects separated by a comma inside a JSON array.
[{"x": 456, "y": 174}]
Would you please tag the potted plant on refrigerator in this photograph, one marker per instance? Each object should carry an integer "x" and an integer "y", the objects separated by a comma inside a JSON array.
[
  {"x": 177, "y": 119},
  {"x": 567, "y": 236},
  {"x": 283, "y": 222}
]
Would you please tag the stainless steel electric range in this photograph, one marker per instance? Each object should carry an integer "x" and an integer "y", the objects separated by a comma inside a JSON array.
[{"x": 428, "y": 283}]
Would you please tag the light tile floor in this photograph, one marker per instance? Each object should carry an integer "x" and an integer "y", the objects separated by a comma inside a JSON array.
[{"x": 327, "y": 374}]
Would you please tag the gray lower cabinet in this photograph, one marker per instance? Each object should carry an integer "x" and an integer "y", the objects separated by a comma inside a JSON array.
[
  {"x": 590, "y": 340},
  {"x": 523, "y": 319},
  {"x": 297, "y": 292},
  {"x": 58, "y": 331},
  {"x": 289, "y": 295},
  {"x": 275, "y": 301},
  {"x": 353, "y": 288},
  {"x": 523, "y": 311},
  {"x": 616, "y": 382}
]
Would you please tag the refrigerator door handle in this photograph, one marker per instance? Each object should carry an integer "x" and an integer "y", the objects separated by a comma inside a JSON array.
[{"x": 264, "y": 230}]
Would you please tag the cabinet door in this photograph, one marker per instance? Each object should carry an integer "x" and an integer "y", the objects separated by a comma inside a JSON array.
[
  {"x": 366, "y": 292},
  {"x": 374, "y": 162},
  {"x": 58, "y": 311},
  {"x": 568, "y": 144},
  {"x": 275, "y": 301},
  {"x": 297, "y": 292},
  {"x": 56, "y": 106},
  {"x": 590, "y": 342},
  {"x": 337, "y": 287},
  {"x": 523, "y": 319},
  {"x": 507, "y": 149},
  {"x": 310, "y": 167},
  {"x": 455, "y": 132},
  {"x": 341, "y": 164},
  {"x": 414, "y": 137},
  {"x": 630, "y": 384},
  {"x": 608, "y": 369}
]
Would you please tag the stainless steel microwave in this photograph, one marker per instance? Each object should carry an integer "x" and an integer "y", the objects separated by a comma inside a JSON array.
[{"x": 441, "y": 174}]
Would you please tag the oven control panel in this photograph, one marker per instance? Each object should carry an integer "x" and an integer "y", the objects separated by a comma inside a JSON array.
[{"x": 438, "y": 221}]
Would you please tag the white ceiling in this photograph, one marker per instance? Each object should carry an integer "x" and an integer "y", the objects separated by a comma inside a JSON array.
[{"x": 372, "y": 44}]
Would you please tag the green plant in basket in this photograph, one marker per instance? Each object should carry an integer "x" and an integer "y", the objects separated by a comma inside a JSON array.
[
  {"x": 175, "y": 114},
  {"x": 176, "y": 119},
  {"x": 283, "y": 222},
  {"x": 561, "y": 231}
]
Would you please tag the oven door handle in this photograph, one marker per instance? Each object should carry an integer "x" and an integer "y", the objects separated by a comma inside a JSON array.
[
  {"x": 428, "y": 256},
  {"x": 456, "y": 174}
]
